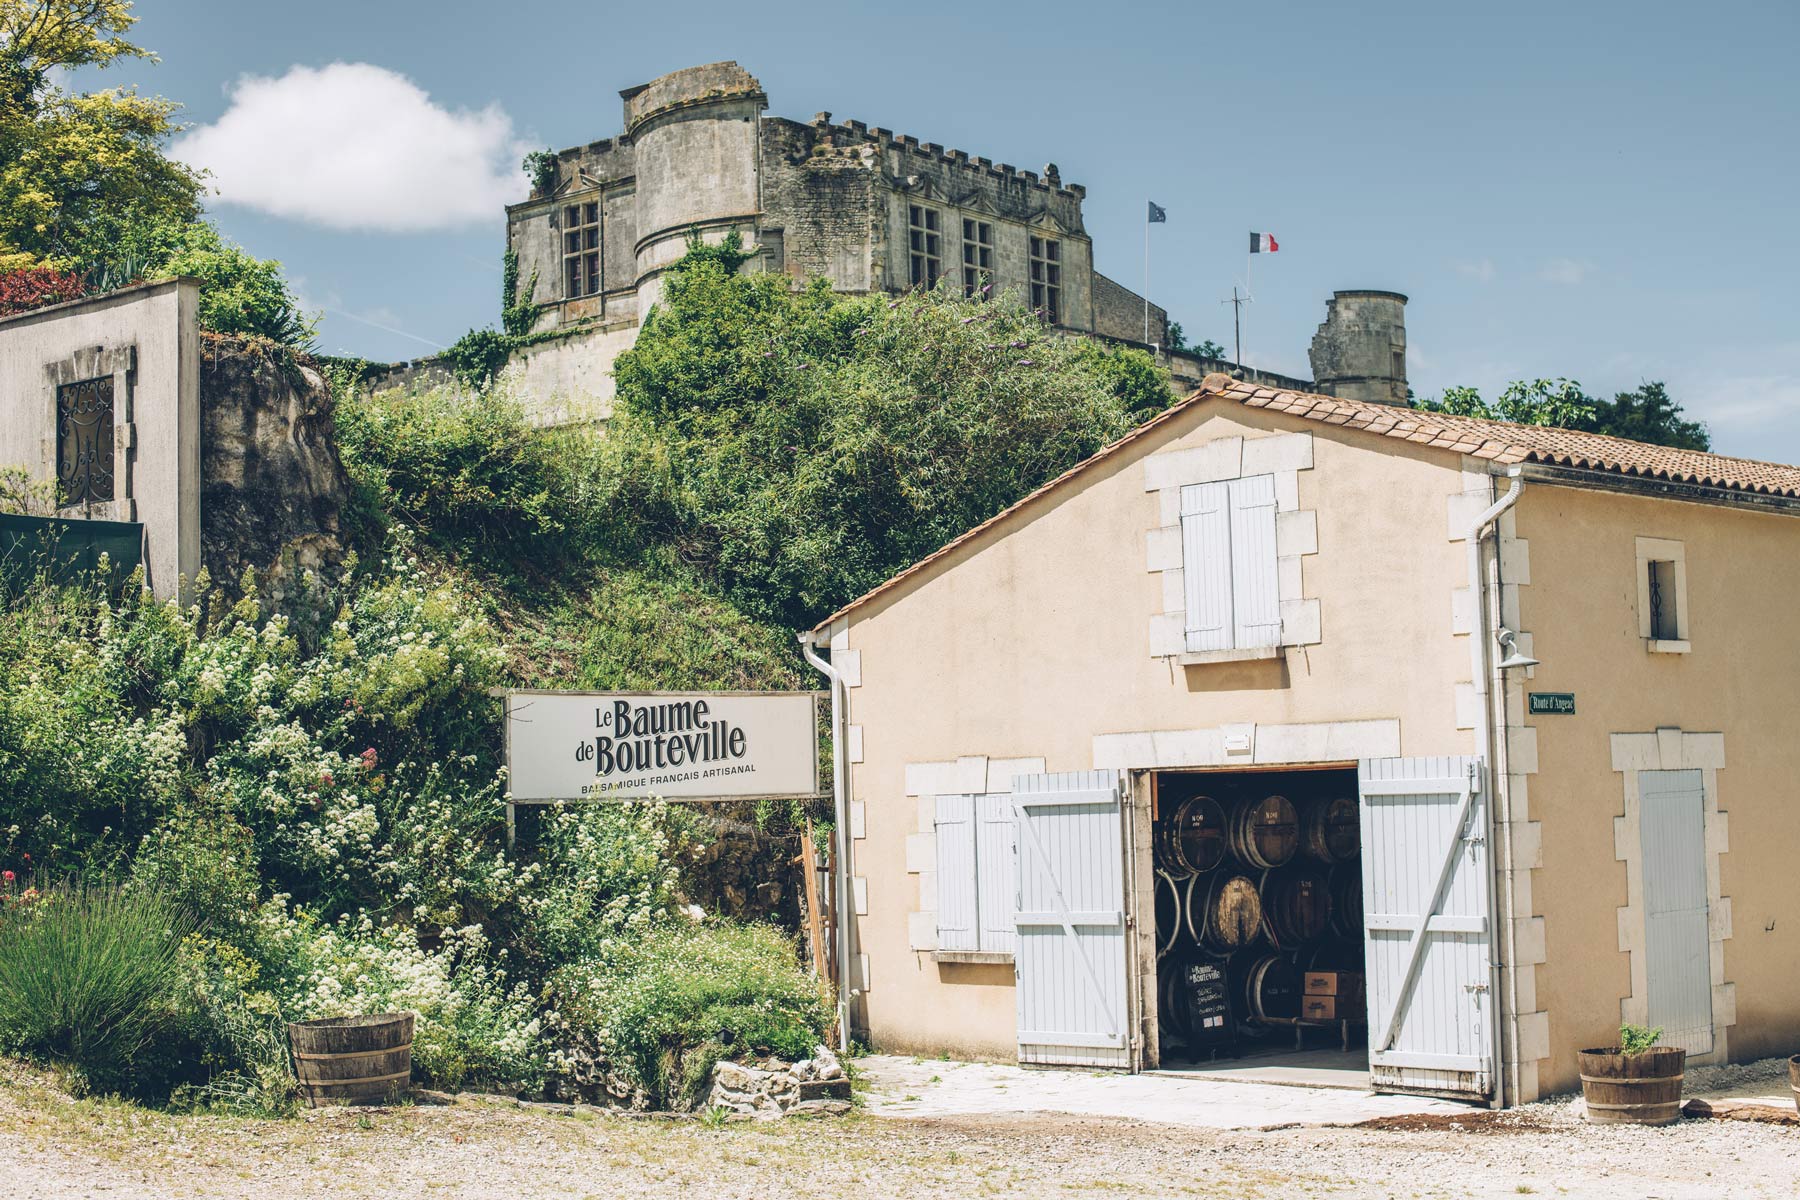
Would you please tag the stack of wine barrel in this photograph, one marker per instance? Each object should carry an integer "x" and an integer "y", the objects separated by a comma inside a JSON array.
[{"x": 1267, "y": 886}]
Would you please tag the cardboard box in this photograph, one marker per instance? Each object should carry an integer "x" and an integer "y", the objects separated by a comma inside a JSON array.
[
  {"x": 1319, "y": 1008},
  {"x": 1333, "y": 983}
]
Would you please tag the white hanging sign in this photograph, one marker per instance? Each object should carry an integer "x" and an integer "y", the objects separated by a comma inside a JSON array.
[{"x": 670, "y": 745}]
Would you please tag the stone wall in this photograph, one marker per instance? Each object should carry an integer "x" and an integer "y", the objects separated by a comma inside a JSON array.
[
  {"x": 774, "y": 1088},
  {"x": 273, "y": 489},
  {"x": 1119, "y": 313}
]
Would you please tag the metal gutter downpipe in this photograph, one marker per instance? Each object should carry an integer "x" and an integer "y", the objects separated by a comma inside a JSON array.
[
  {"x": 1478, "y": 650},
  {"x": 841, "y": 820}
]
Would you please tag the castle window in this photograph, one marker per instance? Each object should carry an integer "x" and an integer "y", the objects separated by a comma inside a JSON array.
[
  {"x": 925, "y": 245},
  {"x": 978, "y": 255},
  {"x": 1046, "y": 277},
  {"x": 581, "y": 249}
]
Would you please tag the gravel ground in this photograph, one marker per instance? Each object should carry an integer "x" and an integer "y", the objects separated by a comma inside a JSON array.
[{"x": 53, "y": 1146}]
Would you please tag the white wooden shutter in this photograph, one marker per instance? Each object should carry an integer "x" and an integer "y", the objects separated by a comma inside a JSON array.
[
  {"x": 958, "y": 911},
  {"x": 1206, "y": 565},
  {"x": 1428, "y": 939},
  {"x": 995, "y": 873},
  {"x": 1255, "y": 592},
  {"x": 1677, "y": 947},
  {"x": 1071, "y": 962}
]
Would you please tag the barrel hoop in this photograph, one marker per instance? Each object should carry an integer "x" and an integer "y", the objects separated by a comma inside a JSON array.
[
  {"x": 359, "y": 1081},
  {"x": 1646, "y": 1106},
  {"x": 345, "y": 1054},
  {"x": 1631, "y": 1079}
]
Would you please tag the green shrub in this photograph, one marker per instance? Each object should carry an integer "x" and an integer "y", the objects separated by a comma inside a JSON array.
[
  {"x": 90, "y": 978},
  {"x": 1635, "y": 1039},
  {"x": 669, "y": 1004},
  {"x": 458, "y": 461}
]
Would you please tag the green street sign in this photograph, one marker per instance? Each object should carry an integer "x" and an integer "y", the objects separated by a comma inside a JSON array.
[{"x": 1557, "y": 703}]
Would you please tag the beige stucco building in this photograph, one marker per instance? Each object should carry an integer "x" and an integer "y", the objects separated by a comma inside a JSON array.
[{"x": 1570, "y": 741}]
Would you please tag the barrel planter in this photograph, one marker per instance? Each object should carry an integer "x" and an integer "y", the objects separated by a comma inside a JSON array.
[
  {"x": 1794, "y": 1079},
  {"x": 1632, "y": 1089},
  {"x": 1266, "y": 832},
  {"x": 353, "y": 1060}
]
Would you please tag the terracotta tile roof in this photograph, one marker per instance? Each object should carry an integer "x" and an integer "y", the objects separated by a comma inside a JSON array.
[
  {"x": 1497, "y": 441},
  {"x": 1505, "y": 442}
]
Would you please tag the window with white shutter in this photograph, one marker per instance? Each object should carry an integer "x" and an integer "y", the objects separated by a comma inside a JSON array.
[
  {"x": 976, "y": 873},
  {"x": 1228, "y": 564},
  {"x": 959, "y": 924}
]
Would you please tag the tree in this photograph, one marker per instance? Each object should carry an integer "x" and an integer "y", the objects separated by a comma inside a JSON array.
[
  {"x": 797, "y": 447},
  {"x": 1644, "y": 415},
  {"x": 77, "y": 170}
]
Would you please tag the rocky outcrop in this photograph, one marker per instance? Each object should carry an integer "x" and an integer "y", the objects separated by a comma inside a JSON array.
[
  {"x": 773, "y": 1088},
  {"x": 273, "y": 489}
]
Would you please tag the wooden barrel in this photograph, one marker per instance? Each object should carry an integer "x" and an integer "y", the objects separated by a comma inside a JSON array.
[
  {"x": 1330, "y": 829},
  {"x": 1272, "y": 989},
  {"x": 1224, "y": 912},
  {"x": 1794, "y": 1079},
  {"x": 1192, "y": 841},
  {"x": 1347, "y": 900},
  {"x": 1266, "y": 833},
  {"x": 1296, "y": 904},
  {"x": 1171, "y": 992},
  {"x": 353, "y": 1060},
  {"x": 1632, "y": 1089},
  {"x": 1171, "y": 907}
]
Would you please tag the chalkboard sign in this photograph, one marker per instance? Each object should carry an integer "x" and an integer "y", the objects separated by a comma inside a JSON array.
[{"x": 1209, "y": 1006}]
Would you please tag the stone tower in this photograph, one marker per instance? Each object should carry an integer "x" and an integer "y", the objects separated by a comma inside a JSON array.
[
  {"x": 1359, "y": 353},
  {"x": 695, "y": 137}
]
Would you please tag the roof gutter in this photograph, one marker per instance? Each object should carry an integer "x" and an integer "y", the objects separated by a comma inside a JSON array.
[
  {"x": 840, "y": 903},
  {"x": 1484, "y": 748}
]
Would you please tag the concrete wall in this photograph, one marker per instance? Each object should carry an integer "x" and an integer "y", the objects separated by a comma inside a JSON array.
[
  {"x": 1037, "y": 644},
  {"x": 1730, "y": 696},
  {"x": 156, "y": 413}
]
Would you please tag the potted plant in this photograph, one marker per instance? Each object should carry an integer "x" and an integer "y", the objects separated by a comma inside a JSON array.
[{"x": 1636, "y": 1082}]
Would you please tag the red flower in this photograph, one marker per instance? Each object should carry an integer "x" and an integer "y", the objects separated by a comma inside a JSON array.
[
  {"x": 8, "y": 876},
  {"x": 325, "y": 778},
  {"x": 368, "y": 759}
]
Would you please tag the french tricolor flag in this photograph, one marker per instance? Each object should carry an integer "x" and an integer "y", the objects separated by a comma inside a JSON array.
[{"x": 1263, "y": 243}]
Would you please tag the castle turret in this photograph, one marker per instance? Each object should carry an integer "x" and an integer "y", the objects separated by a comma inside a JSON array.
[
  {"x": 694, "y": 134},
  {"x": 1359, "y": 353}
]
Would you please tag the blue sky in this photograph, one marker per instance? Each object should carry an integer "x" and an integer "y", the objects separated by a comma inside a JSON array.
[{"x": 1596, "y": 190}]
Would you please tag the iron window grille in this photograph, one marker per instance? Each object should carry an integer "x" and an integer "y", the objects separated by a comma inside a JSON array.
[
  {"x": 1664, "y": 625},
  {"x": 84, "y": 441}
]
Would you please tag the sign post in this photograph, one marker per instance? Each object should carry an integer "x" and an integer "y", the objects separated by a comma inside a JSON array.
[{"x": 572, "y": 746}]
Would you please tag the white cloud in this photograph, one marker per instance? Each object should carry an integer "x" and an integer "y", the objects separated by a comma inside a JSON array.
[
  {"x": 1481, "y": 270},
  {"x": 357, "y": 146},
  {"x": 1566, "y": 271}
]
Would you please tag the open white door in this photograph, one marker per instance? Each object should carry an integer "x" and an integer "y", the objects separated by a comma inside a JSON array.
[
  {"x": 1427, "y": 930},
  {"x": 1070, "y": 919}
]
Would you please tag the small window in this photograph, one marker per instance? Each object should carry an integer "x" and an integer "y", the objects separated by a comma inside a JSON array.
[
  {"x": 924, "y": 244},
  {"x": 1664, "y": 626},
  {"x": 1046, "y": 278},
  {"x": 581, "y": 250},
  {"x": 978, "y": 255},
  {"x": 1229, "y": 573},
  {"x": 1663, "y": 617}
]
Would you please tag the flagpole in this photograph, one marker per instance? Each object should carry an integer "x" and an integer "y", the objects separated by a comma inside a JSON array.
[
  {"x": 1146, "y": 278},
  {"x": 1249, "y": 295}
]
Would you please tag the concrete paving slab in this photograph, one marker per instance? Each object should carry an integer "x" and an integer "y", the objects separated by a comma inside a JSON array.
[{"x": 911, "y": 1087}]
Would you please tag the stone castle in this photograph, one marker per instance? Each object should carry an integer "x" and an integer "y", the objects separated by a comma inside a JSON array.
[{"x": 867, "y": 209}]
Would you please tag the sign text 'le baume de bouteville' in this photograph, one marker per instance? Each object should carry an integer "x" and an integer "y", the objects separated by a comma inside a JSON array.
[{"x": 689, "y": 745}]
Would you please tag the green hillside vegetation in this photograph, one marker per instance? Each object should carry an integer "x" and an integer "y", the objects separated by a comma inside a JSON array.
[{"x": 316, "y": 792}]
